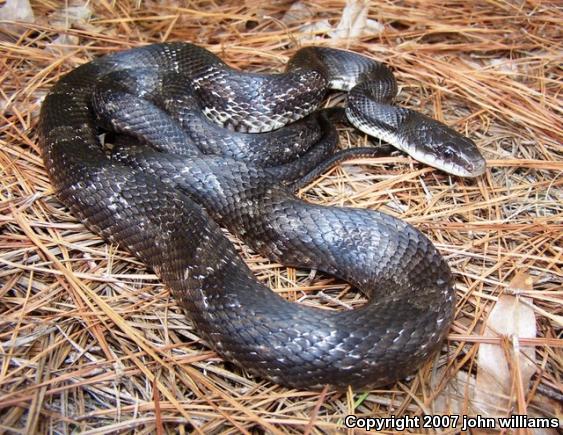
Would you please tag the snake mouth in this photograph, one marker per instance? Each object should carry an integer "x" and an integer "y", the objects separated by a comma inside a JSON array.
[
  {"x": 470, "y": 170},
  {"x": 467, "y": 168},
  {"x": 476, "y": 168}
]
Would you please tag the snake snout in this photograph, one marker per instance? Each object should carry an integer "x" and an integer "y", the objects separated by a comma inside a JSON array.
[
  {"x": 438, "y": 145},
  {"x": 462, "y": 157},
  {"x": 476, "y": 166}
]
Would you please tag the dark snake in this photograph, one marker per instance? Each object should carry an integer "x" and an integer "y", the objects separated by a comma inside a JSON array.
[{"x": 179, "y": 172}]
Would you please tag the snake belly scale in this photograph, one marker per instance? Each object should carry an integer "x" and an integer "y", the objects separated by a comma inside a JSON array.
[{"x": 165, "y": 200}]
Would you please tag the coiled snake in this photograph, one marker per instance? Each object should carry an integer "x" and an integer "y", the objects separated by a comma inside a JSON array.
[{"x": 176, "y": 176}]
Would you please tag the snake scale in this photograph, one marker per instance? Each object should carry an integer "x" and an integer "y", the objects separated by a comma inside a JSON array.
[{"x": 199, "y": 146}]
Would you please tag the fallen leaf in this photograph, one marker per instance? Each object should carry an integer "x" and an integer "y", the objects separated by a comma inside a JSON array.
[
  {"x": 355, "y": 22},
  {"x": 15, "y": 10},
  {"x": 504, "y": 371}
]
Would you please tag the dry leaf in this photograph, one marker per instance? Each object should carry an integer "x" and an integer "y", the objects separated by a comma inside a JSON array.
[
  {"x": 297, "y": 12},
  {"x": 354, "y": 22},
  {"x": 454, "y": 397},
  {"x": 62, "y": 44},
  {"x": 75, "y": 15},
  {"x": 15, "y": 10},
  {"x": 69, "y": 16},
  {"x": 505, "y": 370}
]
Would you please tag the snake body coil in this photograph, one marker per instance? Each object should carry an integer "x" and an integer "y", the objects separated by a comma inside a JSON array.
[{"x": 164, "y": 195}]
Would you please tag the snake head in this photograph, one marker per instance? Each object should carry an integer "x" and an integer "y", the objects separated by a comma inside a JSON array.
[
  {"x": 431, "y": 142},
  {"x": 425, "y": 139}
]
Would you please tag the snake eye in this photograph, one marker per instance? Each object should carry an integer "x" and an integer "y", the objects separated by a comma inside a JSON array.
[{"x": 448, "y": 152}]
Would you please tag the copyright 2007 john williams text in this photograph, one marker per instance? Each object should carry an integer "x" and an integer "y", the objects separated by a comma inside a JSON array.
[{"x": 463, "y": 422}]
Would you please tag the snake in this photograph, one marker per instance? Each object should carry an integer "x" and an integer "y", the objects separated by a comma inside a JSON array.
[{"x": 164, "y": 147}]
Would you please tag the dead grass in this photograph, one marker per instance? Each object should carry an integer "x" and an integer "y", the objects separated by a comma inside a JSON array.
[{"x": 92, "y": 342}]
